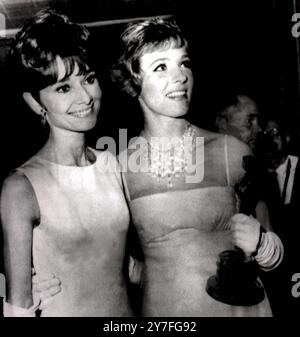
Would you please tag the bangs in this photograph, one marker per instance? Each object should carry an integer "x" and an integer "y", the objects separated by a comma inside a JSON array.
[
  {"x": 171, "y": 42},
  {"x": 159, "y": 45},
  {"x": 51, "y": 73}
]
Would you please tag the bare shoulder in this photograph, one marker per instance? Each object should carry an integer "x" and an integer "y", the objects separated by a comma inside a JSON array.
[
  {"x": 237, "y": 148},
  {"x": 209, "y": 135},
  {"x": 17, "y": 183},
  {"x": 217, "y": 140},
  {"x": 18, "y": 196},
  {"x": 212, "y": 141},
  {"x": 210, "y": 138}
]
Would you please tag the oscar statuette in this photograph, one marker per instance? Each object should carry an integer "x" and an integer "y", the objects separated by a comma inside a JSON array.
[{"x": 236, "y": 282}]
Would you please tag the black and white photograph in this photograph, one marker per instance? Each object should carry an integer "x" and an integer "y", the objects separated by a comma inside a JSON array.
[{"x": 149, "y": 161}]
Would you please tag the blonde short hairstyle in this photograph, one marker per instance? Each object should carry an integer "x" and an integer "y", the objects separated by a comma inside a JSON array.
[{"x": 137, "y": 39}]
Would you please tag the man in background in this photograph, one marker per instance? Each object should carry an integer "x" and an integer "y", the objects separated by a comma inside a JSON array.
[
  {"x": 279, "y": 187},
  {"x": 240, "y": 119},
  {"x": 281, "y": 192}
]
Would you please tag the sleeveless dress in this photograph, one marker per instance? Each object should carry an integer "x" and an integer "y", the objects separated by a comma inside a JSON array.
[
  {"x": 182, "y": 230},
  {"x": 81, "y": 235}
]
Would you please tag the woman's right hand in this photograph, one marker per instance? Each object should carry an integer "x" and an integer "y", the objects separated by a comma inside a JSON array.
[
  {"x": 245, "y": 232},
  {"x": 44, "y": 289}
]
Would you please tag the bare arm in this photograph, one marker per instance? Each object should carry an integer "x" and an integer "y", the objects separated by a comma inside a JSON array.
[
  {"x": 262, "y": 215},
  {"x": 19, "y": 211},
  {"x": 268, "y": 248}
]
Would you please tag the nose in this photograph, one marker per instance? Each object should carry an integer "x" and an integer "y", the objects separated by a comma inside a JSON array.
[
  {"x": 255, "y": 126},
  {"x": 83, "y": 95},
  {"x": 179, "y": 75}
]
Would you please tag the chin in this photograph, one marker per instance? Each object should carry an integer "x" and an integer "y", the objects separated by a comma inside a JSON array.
[
  {"x": 178, "y": 113},
  {"x": 88, "y": 125}
]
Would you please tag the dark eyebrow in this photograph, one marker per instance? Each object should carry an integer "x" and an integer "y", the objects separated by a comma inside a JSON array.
[
  {"x": 159, "y": 60},
  {"x": 166, "y": 58},
  {"x": 67, "y": 77},
  {"x": 63, "y": 80}
]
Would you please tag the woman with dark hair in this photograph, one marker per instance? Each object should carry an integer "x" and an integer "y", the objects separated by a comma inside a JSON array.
[{"x": 63, "y": 211}]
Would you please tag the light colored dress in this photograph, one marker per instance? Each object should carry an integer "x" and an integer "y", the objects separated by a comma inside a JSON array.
[
  {"x": 182, "y": 230},
  {"x": 81, "y": 235}
]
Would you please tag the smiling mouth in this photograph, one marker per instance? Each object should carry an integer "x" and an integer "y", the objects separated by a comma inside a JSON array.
[
  {"x": 82, "y": 113},
  {"x": 178, "y": 94}
]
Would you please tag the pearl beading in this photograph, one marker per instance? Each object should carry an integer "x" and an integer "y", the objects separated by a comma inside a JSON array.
[{"x": 168, "y": 160}]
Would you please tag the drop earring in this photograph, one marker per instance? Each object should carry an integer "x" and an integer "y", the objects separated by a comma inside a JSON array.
[{"x": 43, "y": 117}]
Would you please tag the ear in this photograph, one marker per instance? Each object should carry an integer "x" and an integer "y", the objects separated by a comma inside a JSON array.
[
  {"x": 33, "y": 104},
  {"x": 136, "y": 83},
  {"x": 221, "y": 124}
]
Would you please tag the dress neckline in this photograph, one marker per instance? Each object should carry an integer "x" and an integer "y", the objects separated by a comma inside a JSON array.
[
  {"x": 187, "y": 190},
  {"x": 69, "y": 167}
]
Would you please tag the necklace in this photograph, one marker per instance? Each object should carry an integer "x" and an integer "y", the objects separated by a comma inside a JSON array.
[{"x": 167, "y": 158}]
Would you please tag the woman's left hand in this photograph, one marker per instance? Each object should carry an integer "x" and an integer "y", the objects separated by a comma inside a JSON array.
[
  {"x": 245, "y": 231},
  {"x": 44, "y": 288}
]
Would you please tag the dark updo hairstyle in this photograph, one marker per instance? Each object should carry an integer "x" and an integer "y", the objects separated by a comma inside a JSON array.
[
  {"x": 42, "y": 39},
  {"x": 137, "y": 39}
]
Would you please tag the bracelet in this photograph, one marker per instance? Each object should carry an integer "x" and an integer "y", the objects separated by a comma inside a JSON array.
[{"x": 270, "y": 251}]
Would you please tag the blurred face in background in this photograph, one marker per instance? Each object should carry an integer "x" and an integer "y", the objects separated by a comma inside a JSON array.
[
  {"x": 274, "y": 144},
  {"x": 243, "y": 122}
]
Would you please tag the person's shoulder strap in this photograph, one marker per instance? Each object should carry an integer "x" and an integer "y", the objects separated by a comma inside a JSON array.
[{"x": 226, "y": 160}]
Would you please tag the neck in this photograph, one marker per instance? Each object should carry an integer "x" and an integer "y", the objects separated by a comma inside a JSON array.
[
  {"x": 164, "y": 127},
  {"x": 66, "y": 148}
]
